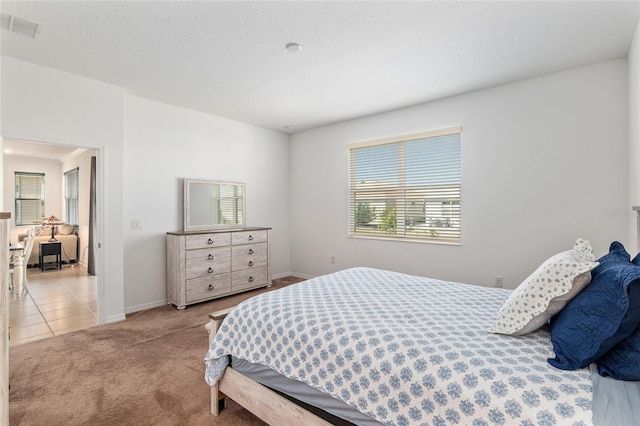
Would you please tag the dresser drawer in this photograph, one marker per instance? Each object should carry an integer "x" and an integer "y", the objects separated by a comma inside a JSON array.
[
  {"x": 248, "y": 256},
  {"x": 211, "y": 255},
  {"x": 208, "y": 287},
  {"x": 246, "y": 237},
  {"x": 200, "y": 241},
  {"x": 249, "y": 278},
  {"x": 201, "y": 263}
]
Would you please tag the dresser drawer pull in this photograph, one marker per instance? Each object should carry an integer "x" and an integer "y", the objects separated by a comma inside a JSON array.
[
  {"x": 210, "y": 257},
  {"x": 251, "y": 263},
  {"x": 250, "y": 251},
  {"x": 210, "y": 241},
  {"x": 250, "y": 279},
  {"x": 210, "y": 270},
  {"x": 250, "y": 237},
  {"x": 210, "y": 286}
]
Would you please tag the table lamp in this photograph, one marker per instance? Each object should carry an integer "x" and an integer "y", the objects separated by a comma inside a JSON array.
[{"x": 53, "y": 221}]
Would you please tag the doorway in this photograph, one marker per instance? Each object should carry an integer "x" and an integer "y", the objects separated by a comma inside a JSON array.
[{"x": 57, "y": 295}]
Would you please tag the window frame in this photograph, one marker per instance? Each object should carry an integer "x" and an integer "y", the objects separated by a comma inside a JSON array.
[
  {"x": 399, "y": 206},
  {"x": 19, "y": 199}
]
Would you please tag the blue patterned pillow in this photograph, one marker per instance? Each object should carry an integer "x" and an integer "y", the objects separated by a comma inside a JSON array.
[{"x": 606, "y": 312}]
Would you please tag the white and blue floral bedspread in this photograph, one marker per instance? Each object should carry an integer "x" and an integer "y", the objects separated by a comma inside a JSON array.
[{"x": 404, "y": 350}]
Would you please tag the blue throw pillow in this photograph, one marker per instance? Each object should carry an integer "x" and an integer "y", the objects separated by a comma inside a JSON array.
[
  {"x": 623, "y": 361},
  {"x": 606, "y": 312}
]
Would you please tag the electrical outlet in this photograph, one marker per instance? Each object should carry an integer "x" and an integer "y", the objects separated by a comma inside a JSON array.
[
  {"x": 498, "y": 282},
  {"x": 332, "y": 259},
  {"x": 136, "y": 224}
]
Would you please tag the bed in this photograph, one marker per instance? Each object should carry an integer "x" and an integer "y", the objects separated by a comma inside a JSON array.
[{"x": 371, "y": 347}]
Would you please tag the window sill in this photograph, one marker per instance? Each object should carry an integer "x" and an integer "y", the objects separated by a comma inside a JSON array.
[{"x": 405, "y": 239}]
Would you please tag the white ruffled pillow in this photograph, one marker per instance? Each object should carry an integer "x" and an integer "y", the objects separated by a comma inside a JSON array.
[
  {"x": 545, "y": 292},
  {"x": 64, "y": 229}
]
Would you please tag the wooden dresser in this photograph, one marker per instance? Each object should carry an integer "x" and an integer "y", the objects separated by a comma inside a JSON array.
[{"x": 205, "y": 265}]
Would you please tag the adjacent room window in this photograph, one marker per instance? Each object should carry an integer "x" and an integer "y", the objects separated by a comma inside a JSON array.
[
  {"x": 71, "y": 203},
  {"x": 407, "y": 187},
  {"x": 29, "y": 197}
]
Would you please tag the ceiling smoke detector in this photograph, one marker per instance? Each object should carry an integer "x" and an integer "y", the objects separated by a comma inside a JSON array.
[
  {"x": 18, "y": 25},
  {"x": 293, "y": 47}
]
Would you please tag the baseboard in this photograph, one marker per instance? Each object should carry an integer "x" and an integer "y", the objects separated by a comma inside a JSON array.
[
  {"x": 114, "y": 318},
  {"x": 300, "y": 275},
  {"x": 290, "y": 274},
  {"x": 144, "y": 306}
]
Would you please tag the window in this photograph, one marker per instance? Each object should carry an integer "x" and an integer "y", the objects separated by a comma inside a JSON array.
[
  {"x": 71, "y": 203},
  {"x": 29, "y": 197},
  {"x": 407, "y": 187}
]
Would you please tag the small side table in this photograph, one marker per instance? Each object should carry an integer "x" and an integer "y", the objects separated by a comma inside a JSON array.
[{"x": 51, "y": 249}]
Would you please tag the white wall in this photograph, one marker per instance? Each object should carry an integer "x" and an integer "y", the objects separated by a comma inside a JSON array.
[
  {"x": 52, "y": 170},
  {"x": 44, "y": 105},
  {"x": 144, "y": 150},
  {"x": 634, "y": 129},
  {"x": 163, "y": 145},
  {"x": 544, "y": 162}
]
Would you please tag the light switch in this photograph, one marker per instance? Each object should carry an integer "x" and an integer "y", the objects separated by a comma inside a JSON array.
[{"x": 136, "y": 224}]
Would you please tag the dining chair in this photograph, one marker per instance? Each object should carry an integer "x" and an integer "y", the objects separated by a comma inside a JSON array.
[{"x": 26, "y": 252}]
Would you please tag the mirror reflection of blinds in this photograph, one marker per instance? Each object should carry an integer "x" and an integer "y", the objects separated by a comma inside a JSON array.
[
  {"x": 230, "y": 204},
  {"x": 71, "y": 196},
  {"x": 29, "y": 197},
  {"x": 407, "y": 187}
]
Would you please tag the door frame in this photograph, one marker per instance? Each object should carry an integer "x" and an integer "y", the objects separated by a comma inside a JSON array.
[{"x": 100, "y": 209}]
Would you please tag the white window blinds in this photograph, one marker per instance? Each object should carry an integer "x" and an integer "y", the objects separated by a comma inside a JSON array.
[
  {"x": 71, "y": 198},
  {"x": 29, "y": 197},
  {"x": 407, "y": 187}
]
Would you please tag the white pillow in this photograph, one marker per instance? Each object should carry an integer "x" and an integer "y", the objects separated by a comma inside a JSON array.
[
  {"x": 545, "y": 292},
  {"x": 43, "y": 230},
  {"x": 64, "y": 229}
]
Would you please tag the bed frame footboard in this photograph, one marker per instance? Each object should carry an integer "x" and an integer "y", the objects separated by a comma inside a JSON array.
[{"x": 266, "y": 404}]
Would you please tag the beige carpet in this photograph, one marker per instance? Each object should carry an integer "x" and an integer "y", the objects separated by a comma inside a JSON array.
[{"x": 147, "y": 370}]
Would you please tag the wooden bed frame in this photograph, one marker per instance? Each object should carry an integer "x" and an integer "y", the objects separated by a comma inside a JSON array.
[{"x": 266, "y": 404}]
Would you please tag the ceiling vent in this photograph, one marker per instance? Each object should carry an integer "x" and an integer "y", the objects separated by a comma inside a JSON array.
[{"x": 16, "y": 24}]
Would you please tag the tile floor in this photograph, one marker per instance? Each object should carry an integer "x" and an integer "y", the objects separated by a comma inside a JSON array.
[{"x": 58, "y": 302}]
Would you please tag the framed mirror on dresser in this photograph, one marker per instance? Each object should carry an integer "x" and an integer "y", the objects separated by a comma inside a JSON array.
[
  {"x": 216, "y": 254},
  {"x": 213, "y": 204}
]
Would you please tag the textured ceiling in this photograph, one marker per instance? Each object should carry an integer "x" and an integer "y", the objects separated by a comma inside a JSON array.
[{"x": 358, "y": 58}]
